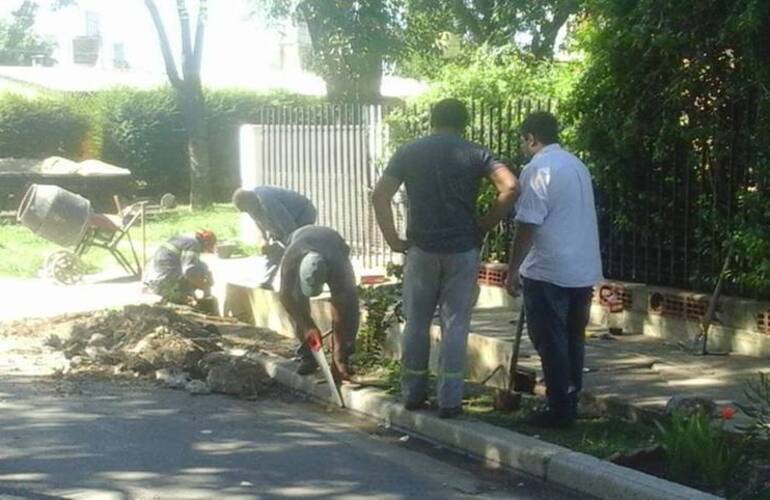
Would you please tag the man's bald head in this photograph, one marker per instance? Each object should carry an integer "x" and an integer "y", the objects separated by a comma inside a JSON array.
[{"x": 245, "y": 200}]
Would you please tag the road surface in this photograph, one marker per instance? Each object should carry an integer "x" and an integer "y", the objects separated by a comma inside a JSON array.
[{"x": 105, "y": 439}]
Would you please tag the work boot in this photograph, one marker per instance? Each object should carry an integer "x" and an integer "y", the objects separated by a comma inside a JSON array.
[
  {"x": 452, "y": 412},
  {"x": 416, "y": 405},
  {"x": 307, "y": 366},
  {"x": 547, "y": 419}
]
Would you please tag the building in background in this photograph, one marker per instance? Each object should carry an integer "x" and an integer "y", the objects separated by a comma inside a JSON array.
[{"x": 107, "y": 43}]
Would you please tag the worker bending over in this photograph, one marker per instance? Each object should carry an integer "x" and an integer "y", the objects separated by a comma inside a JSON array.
[
  {"x": 277, "y": 213},
  {"x": 318, "y": 256}
]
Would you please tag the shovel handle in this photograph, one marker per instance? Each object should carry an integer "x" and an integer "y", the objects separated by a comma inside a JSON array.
[{"x": 516, "y": 347}]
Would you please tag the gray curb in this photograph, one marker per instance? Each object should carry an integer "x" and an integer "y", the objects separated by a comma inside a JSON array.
[{"x": 554, "y": 464}]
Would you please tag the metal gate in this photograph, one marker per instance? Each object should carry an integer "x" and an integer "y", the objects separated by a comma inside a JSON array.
[{"x": 331, "y": 154}]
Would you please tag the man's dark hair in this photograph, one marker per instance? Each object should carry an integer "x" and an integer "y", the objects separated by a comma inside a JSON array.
[
  {"x": 542, "y": 125},
  {"x": 449, "y": 113}
]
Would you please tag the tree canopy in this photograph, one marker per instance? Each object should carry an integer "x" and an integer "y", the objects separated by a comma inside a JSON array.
[{"x": 19, "y": 44}]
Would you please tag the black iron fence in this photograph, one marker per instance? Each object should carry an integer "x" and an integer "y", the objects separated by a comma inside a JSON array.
[{"x": 665, "y": 230}]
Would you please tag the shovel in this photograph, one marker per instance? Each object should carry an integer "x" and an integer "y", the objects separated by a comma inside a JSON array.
[
  {"x": 315, "y": 344},
  {"x": 509, "y": 400}
]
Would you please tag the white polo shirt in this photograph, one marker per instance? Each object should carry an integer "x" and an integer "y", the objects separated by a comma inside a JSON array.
[{"x": 558, "y": 198}]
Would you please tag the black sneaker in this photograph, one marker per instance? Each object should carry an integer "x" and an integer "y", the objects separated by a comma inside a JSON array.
[
  {"x": 452, "y": 412},
  {"x": 549, "y": 420},
  {"x": 416, "y": 405},
  {"x": 307, "y": 366}
]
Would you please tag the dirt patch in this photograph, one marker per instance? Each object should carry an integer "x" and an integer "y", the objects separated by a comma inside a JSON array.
[{"x": 174, "y": 345}]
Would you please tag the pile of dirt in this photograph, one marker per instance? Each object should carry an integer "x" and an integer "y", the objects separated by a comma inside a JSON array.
[
  {"x": 174, "y": 345},
  {"x": 139, "y": 338}
]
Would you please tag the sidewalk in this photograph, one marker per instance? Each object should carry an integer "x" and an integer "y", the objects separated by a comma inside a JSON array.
[
  {"x": 636, "y": 369},
  {"x": 37, "y": 298}
]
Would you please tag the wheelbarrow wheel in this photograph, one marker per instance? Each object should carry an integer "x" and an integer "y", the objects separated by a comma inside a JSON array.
[{"x": 64, "y": 267}]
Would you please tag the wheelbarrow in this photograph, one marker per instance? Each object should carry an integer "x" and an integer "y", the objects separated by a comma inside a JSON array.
[{"x": 67, "y": 220}]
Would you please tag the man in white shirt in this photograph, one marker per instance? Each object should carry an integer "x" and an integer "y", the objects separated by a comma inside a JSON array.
[{"x": 555, "y": 260}]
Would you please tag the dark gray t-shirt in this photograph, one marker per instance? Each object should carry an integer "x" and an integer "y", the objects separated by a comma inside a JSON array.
[{"x": 442, "y": 174}]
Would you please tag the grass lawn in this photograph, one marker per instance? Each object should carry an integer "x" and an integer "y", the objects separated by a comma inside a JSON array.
[
  {"x": 22, "y": 253},
  {"x": 600, "y": 437}
]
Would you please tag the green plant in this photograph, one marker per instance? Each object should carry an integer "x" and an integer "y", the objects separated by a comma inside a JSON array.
[
  {"x": 757, "y": 392},
  {"x": 699, "y": 451},
  {"x": 672, "y": 117},
  {"x": 41, "y": 127},
  {"x": 382, "y": 305},
  {"x": 497, "y": 242},
  {"x": 141, "y": 130}
]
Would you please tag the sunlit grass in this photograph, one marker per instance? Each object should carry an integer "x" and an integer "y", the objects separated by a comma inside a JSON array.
[{"x": 22, "y": 253}]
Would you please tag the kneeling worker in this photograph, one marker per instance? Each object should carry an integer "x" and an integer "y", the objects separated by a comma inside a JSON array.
[
  {"x": 277, "y": 212},
  {"x": 176, "y": 271},
  {"x": 318, "y": 256}
]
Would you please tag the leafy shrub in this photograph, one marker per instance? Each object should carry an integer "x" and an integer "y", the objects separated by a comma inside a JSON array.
[
  {"x": 142, "y": 130},
  {"x": 41, "y": 127},
  {"x": 673, "y": 117},
  {"x": 699, "y": 452},
  {"x": 383, "y": 309},
  {"x": 757, "y": 408}
]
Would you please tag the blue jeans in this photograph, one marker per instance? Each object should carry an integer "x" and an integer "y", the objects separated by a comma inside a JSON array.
[
  {"x": 449, "y": 282},
  {"x": 556, "y": 322}
]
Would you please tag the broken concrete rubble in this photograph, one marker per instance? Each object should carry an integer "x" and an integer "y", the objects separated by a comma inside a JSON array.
[
  {"x": 172, "y": 345},
  {"x": 234, "y": 375}
]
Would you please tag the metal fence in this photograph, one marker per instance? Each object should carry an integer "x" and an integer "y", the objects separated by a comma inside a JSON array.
[
  {"x": 334, "y": 154},
  {"x": 330, "y": 153}
]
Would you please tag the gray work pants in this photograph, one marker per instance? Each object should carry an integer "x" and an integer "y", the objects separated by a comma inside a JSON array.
[{"x": 449, "y": 282}]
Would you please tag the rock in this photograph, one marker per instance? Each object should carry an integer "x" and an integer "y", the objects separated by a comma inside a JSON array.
[
  {"x": 172, "y": 378},
  {"x": 54, "y": 342},
  {"x": 168, "y": 201},
  {"x": 97, "y": 339},
  {"x": 650, "y": 460},
  {"x": 589, "y": 406},
  {"x": 235, "y": 376},
  {"x": 197, "y": 387},
  {"x": 139, "y": 366},
  {"x": 164, "y": 348},
  {"x": 691, "y": 405}
]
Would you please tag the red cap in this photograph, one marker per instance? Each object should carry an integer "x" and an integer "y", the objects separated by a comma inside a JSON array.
[{"x": 208, "y": 239}]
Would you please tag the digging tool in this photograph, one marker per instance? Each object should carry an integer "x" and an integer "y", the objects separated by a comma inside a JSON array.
[
  {"x": 510, "y": 398},
  {"x": 314, "y": 341},
  {"x": 711, "y": 310}
]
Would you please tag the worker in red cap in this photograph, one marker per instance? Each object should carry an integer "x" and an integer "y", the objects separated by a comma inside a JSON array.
[{"x": 176, "y": 272}]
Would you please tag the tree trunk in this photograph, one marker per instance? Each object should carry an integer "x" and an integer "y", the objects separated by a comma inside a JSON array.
[
  {"x": 192, "y": 103},
  {"x": 544, "y": 42},
  {"x": 364, "y": 89}
]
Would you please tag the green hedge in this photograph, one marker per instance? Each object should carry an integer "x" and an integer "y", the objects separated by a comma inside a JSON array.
[
  {"x": 141, "y": 130},
  {"x": 673, "y": 116},
  {"x": 42, "y": 127}
]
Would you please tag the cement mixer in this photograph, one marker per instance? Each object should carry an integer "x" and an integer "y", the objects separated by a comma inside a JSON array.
[{"x": 67, "y": 220}]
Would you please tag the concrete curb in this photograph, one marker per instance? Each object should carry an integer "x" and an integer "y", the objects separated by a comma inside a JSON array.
[{"x": 546, "y": 461}]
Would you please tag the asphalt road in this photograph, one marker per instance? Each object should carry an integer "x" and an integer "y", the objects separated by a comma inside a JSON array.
[{"x": 99, "y": 439}]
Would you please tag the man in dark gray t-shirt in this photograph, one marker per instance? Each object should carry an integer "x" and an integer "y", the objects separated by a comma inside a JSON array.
[{"x": 442, "y": 173}]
